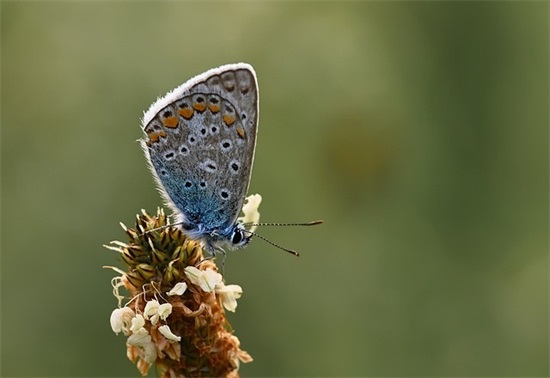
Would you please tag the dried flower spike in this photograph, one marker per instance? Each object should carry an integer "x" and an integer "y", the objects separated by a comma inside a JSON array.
[{"x": 175, "y": 317}]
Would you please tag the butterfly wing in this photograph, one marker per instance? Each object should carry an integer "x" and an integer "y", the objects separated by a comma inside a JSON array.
[{"x": 200, "y": 141}]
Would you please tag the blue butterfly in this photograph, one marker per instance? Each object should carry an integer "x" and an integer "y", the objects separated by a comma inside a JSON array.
[{"x": 199, "y": 143}]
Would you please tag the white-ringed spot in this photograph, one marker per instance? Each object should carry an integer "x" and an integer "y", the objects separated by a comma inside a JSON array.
[
  {"x": 209, "y": 166},
  {"x": 225, "y": 194},
  {"x": 226, "y": 145}
]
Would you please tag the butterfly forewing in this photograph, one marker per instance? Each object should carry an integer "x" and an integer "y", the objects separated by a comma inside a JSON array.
[{"x": 200, "y": 140}]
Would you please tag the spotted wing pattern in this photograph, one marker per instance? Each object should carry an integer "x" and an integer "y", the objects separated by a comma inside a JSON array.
[{"x": 200, "y": 141}]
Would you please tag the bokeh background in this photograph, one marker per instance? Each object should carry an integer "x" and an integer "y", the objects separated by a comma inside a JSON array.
[{"x": 417, "y": 130}]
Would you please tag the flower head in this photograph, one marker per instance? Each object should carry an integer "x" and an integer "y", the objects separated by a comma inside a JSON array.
[{"x": 175, "y": 316}]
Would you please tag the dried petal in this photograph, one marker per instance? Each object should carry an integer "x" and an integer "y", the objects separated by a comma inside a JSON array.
[
  {"x": 206, "y": 279},
  {"x": 151, "y": 311},
  {"x": 178, "y": 289},
  {"x": 137, "y": 323},
  {"x": 167, "y": 332},
  {"x": 229, "y": 295},
  {"x": 250, "y": 211},
  {"x": 121, "y": 320},
  {"x": 164, "y": 310}
]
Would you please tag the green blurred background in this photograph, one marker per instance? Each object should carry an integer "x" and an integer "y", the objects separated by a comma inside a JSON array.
[{"x": 418, "y": 132}]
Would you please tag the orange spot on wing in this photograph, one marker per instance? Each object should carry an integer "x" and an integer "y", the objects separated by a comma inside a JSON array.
[
  {"x": 186, "y": 113},
  {"x": 171, "y": 122},
  {"x": 240, "y": 132},
  {"x": 154, "y": 137},
  {"x": 199, "y": 106},
  {"x": 229, "y": 120},
  {"x": 214, "y": 108}
]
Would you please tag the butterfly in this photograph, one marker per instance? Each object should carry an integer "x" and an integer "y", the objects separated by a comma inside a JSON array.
[{"x": 199, "y": 142}]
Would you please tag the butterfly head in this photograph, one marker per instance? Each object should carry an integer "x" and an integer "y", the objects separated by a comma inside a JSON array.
[{"x": 236, "y": 237}]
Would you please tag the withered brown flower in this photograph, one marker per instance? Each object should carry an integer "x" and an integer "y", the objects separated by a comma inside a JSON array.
[{"x": 174, "y": 317}]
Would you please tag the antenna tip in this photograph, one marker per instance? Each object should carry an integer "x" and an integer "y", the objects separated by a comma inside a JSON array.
[
  {"x": 291, "y": 251},
  {"x": 315, "y": 222}
]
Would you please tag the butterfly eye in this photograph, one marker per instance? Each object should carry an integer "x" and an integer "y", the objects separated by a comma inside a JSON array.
[{"x": 236, "y": 237}]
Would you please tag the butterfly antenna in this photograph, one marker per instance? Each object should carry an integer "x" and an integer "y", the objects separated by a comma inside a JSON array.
[
  {"x": 313, "y": 223},
  {"x": 291, "y": 251}
]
